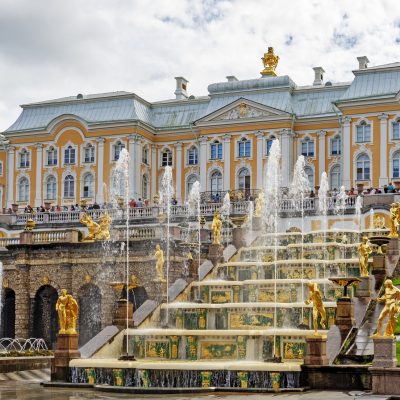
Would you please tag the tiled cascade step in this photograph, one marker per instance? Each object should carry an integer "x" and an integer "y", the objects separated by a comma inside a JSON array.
[{"x": 34, "y": 375}]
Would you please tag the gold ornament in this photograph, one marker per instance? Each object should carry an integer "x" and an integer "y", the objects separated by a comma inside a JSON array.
[
  {"x": 216, "y": 228},
  {"x": 159, "y": 255},
  {"x": 30, "y": 224},
  {"x": 318, "y": 306},
  {"x": 67, "y": 309},
  {"x": 270, "y": 61},
  {"x": 364, "y": 251},
  {"x": 394, "y": 221},
  {"x": 259, "y": 204},
  {"x": 97, "y": 231}
]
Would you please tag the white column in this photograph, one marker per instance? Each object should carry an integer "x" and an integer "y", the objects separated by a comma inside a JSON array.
[
  {"x": 203, "y": 163},
  {"x": 227, "y": 163},
  {"x": 132, "y": 164},
  {"x": 153, "y": 171},
  {"x": 178, "y": 175},
  {"x": 39, "y": 160},
  {"x": 100, "y": 170},
  {"x": 259, "y": 160},
  {"x": 346, "y": 144},
  {"x": 10, "y": 175},
  {"x": 383, "y": 166},
  {"x": 321, "y": 155},
  {"x": 287, "y": 156}
]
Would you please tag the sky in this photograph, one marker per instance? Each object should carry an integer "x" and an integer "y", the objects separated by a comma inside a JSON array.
[{"x": 57, "y": 48}]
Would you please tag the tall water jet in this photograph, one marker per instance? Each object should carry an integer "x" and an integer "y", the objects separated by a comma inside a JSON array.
[
  {"x": 225, "y": 213},
  {"x": 323, "y": 210},
  {"x": 358, "y": 212},
  {"x": 194, "y": 210}
]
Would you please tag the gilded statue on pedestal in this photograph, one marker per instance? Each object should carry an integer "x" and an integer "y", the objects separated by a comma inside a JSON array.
[
  {"x": 391, "y": 298},
  {"x": 318, "y": 306},
  {"x": 394, "y": 222},
  {"x": 67, "y": 309},
  {"x": 259, "y": 204},
  {"x": 216, "y": 228},
  {"x": 97, "y": 231},
  {"x": 159, "y": 255},
  {"x": 364, "y": 251}
]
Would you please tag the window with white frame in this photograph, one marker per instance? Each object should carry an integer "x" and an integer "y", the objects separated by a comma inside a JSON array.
[
  {"x": 51, "y": 156},
  {"x": 193, "y": 156},
  {"x": 216, "y": 181},
  {"x": 396, "y": 165},
  {"x": 335, "y": 177},
  {"x": 189, "y": 184},
  {"x": 363, "y": 165},
  {"x": 145, "y": 155},
  {"x": 310, "y": 176},
  {"x": 1, "y": 168},
  {"x": 69, "y": 155},
  {"x": 335, "y": 146},
  {"x": 396, "y": 129},
  {"x": 269, "y": 142},
  {"x": 216, "y": 150},
  {"x": 166, "y": 158},
  {"x": 51, "y": 188},
  {"x": 363, "y": 132},
  {"x": 69, "y": 187},
  {"x": 244, "y": 147},
  {"x": 307, "y": 147},
  {"x": 23, "y": 189},
  {"x": 88, "y": 185},
  {"x": 88, "y": 153},
  {"x": 145, "y": 187},
  {"x": 117, "y": 148},
  {"x": 24, "y": 159},
  {"x": 244, "y": 179}
]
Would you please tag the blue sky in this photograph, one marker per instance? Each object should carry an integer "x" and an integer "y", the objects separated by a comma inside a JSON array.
[{"x": 51, "y": 49}]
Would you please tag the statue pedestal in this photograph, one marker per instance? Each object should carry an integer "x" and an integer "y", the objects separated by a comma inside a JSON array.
[
  {"x": 344, "y": 316},
  {"x": 393, "y": 247},
  {"x": 120, "y": 314},
  {"x": 257, "y": 223},
  {"x": 216, "y": 253},
  {"x": 379, "y": 270},
  {"x": 316, "y": 351},
  {"x": 384, "y": 352},
  {"x": 364, "y": 288},
  {"x": 238, "y": 237},
  {"x": 66, "y": 350}
]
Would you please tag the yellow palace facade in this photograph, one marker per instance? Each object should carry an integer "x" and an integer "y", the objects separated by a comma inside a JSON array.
[{"x": 63, "y": 151}]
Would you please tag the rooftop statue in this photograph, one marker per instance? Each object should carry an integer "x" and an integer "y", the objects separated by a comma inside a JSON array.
[
  {"x": 216, "y": 227},
  {"x": 97, "y": 231},
  {"x": 394, "y": 220},
  {"x": 159, "y": 255},
  {"x": 67, "y": 309},
  {"x": 364, "y": 251},
  {"x": 270, "y": 61},
  {"x": 318, "y": 306}
]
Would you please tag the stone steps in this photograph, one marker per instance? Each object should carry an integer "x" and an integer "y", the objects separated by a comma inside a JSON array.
[{"x": 34, "y": 375}]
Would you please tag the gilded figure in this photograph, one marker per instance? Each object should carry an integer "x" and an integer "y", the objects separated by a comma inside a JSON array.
[
  {"x": 159, "y": 255},
  {"x": 318, "y": 306},
  {"x": 394, "y": 221},
  {"x": 216, "y": 227},
  {"x": 97, "y": 231},
  {"x": 259, "y": 204},
  {"x": 67, "y": 309},
  {"x": 364, "y": 251}
]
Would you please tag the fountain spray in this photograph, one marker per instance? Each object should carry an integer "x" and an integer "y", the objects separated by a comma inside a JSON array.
[{"x": 323, "y": 210}]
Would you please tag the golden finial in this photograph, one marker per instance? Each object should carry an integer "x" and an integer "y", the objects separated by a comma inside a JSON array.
[{"x": 270, "y": 61}]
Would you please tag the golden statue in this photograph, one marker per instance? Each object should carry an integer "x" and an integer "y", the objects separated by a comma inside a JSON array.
[
  {"x": 159, "y": 255},
  {"x": 259, "y": 204},
  {"x": 104, "y": 227},
  {"x": 216, "y": 227},
  {"x": 67, "y": 309},
  {"x": 30, "y": 225},
  {"x": 318, "y": 306},
  {"x": 270, "y": 61},
  {"x": 97, "y": 231},
  {"x": 394, "y": 221},
  {"x": 391, "y": 308},
  {"x": 364, "y": 251},
  {"x": 379, "y": 222}
]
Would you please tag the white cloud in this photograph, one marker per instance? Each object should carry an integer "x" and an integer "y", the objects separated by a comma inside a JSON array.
[{"x": 51, "y": 49}]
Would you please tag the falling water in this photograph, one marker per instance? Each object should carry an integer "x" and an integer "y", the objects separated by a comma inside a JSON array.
[
  {"x": 194, "y": 210},
  {"x": 250, "y": 214},
  {"x": 358, "y": 212},
  {"x": 166, "y": 194},
  {"x": 1, "y": 290},
  {"x": 272, "y": 200},
  {"x": 371, "y": 219},
  {"x": 225, "y": 212},
  {"x": 341, "y": 201},
  {"x": 299, "y": 187},
  {"x": 323, "y": 210}
]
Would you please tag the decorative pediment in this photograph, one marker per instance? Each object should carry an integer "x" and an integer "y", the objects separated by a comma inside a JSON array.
[{"x": 244, "y": 111}]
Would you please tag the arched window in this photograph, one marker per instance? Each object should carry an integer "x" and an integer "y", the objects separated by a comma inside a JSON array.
[
  {"x": 88, "y": 153},
  {"x": 270, "y": 140},
  {"x": 363, "y": 167},
  {"x": 51, "y": 188},
  {"x": 310, "y": 175},
  {"x": 216, "y": 181},
  {"x": 244, "y": 179},
  {"x": 396, "y": 129},
  {"x": 69, "y": 187},
  {"x": 24, "y": 159},
  {"x": 335, "y": 146},
  {"x": 51, "y": 156},
  {"x": 69, "y": 155},
  {"x": 117, "y": 148},
  {"x": 166, "y": 158},
  {"x": 193, "y": 158},
  {"x": 23, "y": 189},
  {"x": 335, "y": 177},
  {"x": 88, "y": 185},
  {"x": 145, "y": 155},
  {"x": 244, "y": 147},
  {"x": 307, "y": 147},
  {"x": 145, "y": 187},
  {"x": 396, "y": 165},
  {"x": 216, "y": 150},
  {"x": 189, "y": 184},
  {"x": 363, "y": 132}
]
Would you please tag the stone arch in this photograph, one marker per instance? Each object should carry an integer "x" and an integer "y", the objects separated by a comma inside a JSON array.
[
  {"x": 89, "y": 301},
  {"x": 45, "y": 319},
  {"x": 7, "y": 327}
]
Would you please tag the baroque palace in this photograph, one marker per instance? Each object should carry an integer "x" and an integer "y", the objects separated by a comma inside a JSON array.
[{"x": 63, "y": 151}]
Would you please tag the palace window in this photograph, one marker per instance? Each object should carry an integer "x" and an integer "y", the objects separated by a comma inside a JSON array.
[
  {"x": 363, "y": 164},
  {"x": 307, "y": 147},
  {"x": 51, "y": 188},
  {"x": 190, "y": 182},
  {"x": 310, "y": 176},
  {"x": 216, "y": 181},
  {"x": 51, "y": 156},
  {"x": 117, "y": 148},
  {"x": 88, "y": 152},
  {"x": 335, "y": 146},
  {"x": 396, "y": 129},
  {"x": 166, "y": 158},
  {"x": 335, "y": 177},
  {"x": 69, "y": 187},
  {"x": 145, "y": 155},
  {"x": 88, "y": 185},
  {"x": 23, "y": 189},
  {"x": 193, "y": 156},
  {"x": 69, "y": 155},
  {"x": 396, "y": 165},
  {"x": 244, "y": 147},
  {"x": 244, "y": 179},
  {"x": 270, "y": 140},
  {"x": 363, "y": 132},
  {"x": 216, "y": 150},
  {"x": 1, "y": 168},
  {"x": 24, "y": 159},
  {"x": 145, "y": 187}
]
